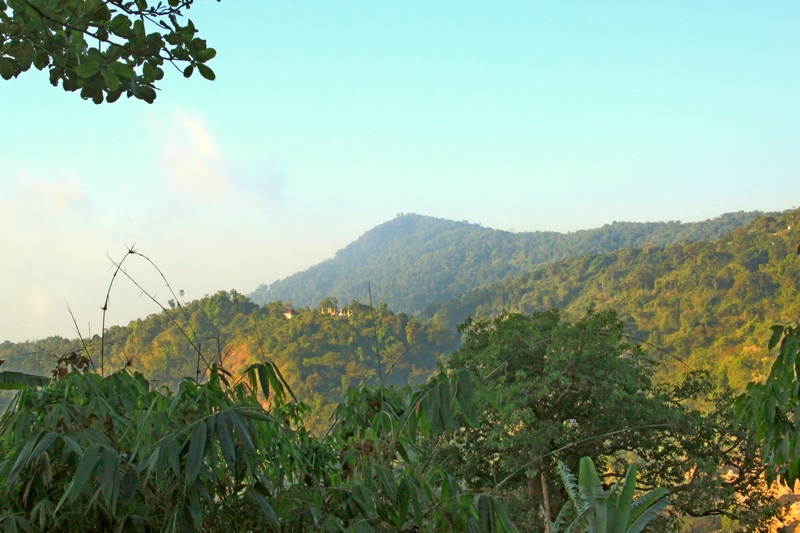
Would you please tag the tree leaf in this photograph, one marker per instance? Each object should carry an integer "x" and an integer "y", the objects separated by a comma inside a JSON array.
[
  {"x": 44, "y": 444},
  {"x": 241, "y": 430},
  {"x": 267, "y": 509},
  {"x": 112, "y": 82},
  {"x": 264, "y": 379},
  {"x": 206, "y": 55},
  {"x": 194, "y": 457},
  {"x": 147, "y": 94},
  {"x": 109, "y": 467},
  {"x": 87, "y": 69},
  {"x": 206, "y": 72},
  {"x": 225, "y": 438},
  {"x": 24, "y": 455},
  {"x": 130, "y": 482},
  {"x": 121, "y": 69},
  {"x": 6, "y": 68},
  {"x": 85, "y": 467},
  {"x": 777, "y": 333}
]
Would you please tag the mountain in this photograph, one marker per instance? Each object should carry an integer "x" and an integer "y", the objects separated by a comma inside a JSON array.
[
  {"x": 320, "y": 351},
  {"x": 709, "y": 304},
  {"x": 413, "y": 261}
]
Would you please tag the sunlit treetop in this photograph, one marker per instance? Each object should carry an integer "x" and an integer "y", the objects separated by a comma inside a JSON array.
[{"x": 102, "y": 48}]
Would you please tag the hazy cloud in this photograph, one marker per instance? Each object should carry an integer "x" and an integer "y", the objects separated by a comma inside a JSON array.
[
  {"x": 35, "y": 198},
  {"x": 198, "y": 172},
  {"x": 193, "y": 162}
]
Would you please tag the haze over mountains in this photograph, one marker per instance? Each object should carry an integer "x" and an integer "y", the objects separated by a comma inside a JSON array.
[{"x": 413, "y": 261}]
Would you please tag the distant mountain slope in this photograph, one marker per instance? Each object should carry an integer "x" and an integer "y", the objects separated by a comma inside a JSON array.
[
  {"x": 413, "y": 261},
  {"x": 709, "y": 303}
]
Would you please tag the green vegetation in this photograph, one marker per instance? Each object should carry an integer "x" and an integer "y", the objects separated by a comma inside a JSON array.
[
  {"x": 709, "y": 304},
  {"x": 114, "y": 454},
  {"x": 605, "y": 511},
  {"x": 320, "y": 352},
  {"x": 565, "y": 391},
  {"x": 772, "y": 407},
  {"x": 374, "y": 438},
  {"x": 102, "y": 48},
  {"x": 414, "y": 261}
]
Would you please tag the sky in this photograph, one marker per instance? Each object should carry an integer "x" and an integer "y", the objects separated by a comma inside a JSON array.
[{"x": 329, "y": 118}]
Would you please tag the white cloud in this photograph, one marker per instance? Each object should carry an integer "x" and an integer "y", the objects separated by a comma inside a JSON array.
[
  {"x": 198, "y": 173},
  {"x": 193, "y": 162}
]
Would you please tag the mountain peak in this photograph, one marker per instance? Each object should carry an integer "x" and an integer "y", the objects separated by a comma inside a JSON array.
[{"x": 413, "y": 261}]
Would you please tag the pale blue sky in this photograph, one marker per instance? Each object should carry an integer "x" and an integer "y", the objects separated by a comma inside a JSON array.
[{"x": 328, "y": 118}]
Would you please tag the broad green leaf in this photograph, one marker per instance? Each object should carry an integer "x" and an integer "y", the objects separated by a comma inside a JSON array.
[
  {"x": 644, "y": 502},
  {"x": 197, "y": 449},
  {"x": 206, "y": 72},
  {"x": 264, "y": 379},
  {"x": 225, "y": 438},
  {"x": 206, "y": 55},
  {"x": 19, "y": 380},
  {"x": 267, "y": 509},
  {"x": 44, "y": 444},
  {"x": 109, "y": 468},
  {"x": 173, "y": 456},
  {"x": 486, "y": 522},
  {"x": 85, "y": 467},
  {"x": 648, "y": 515},
  {"x": 130, "y": 483},
  {"x": 777, "y": 333},
  {"x": 121, "y": 69},
  {"x": 241, "y": 430},
  {"x": 87, "y": 69},
  {"x": 112, "y": 82},
  {"x": 6, "y": 68},
  {"x": 623, "y": 507},
  {"x": 24, "y": 455},
  {"x": 466, "y": 397},
  {"x": 591, "y": 489}
]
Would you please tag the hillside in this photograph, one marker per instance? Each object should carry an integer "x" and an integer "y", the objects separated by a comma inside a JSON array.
[
  {"x": 709, "y": 304},
  {"x": 414, "y": 261},
  {"x": 319, "y": 351}
]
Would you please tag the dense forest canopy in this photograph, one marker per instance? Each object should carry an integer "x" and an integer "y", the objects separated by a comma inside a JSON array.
[
  {"x": 413, "y": 261},
  {"x": 709, "y": 304},
  {"x": 322, "y": 350}
]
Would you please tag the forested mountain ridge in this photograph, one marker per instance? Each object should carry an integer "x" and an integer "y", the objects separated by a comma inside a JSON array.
[
  {"x": 707, "y": 303},
  {"x": 413, "y": 261},
  {"x": 319, "y": 351}
]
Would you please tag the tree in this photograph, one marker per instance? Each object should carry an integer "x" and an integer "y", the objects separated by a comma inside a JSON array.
[
  {"x": 102, "y": 48},
  {"x": 569, "y": 390},
  {"x": 773, "y": 408}
]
